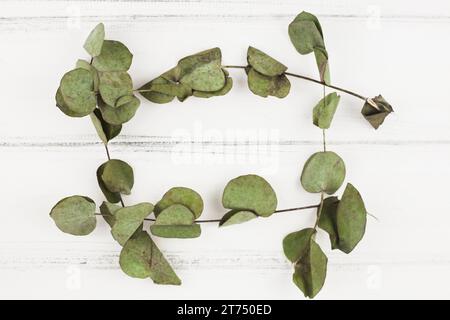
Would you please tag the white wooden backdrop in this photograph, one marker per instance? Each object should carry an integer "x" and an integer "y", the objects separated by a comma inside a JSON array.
[{"x": 397, "y": 48}]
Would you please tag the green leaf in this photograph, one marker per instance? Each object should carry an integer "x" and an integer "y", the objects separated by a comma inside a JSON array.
[
  {"x": 124, "y": 112},
  {"x": 327, "y": 220},
  {"x": 114, "y": 85},
  {"x": 113, "y": 197},
  {"x": 323, "y": 172},
  {"x": 83, "y": 64},
  {"x": 296, "y": 244},
  {"x": 114, "y": 56},
  {"x": 202, "y": 71},
  {"x": 156, "y": 96},
  {"x": 75, "y": 215},
  {"x": 305, "y": 33},
  {"x": 228, "y": 86},
  {"x": 324, "y": 111},
  {"x": 250, "y": 193},
  {"x": 141, "y": 258},
  {"x": 376, "y": 110},
  {"x": 105, "y": 131},
  {"x": 351, "y": 219},
  {"x": 177, "y": 221},
  {"x": 118, "y": 176},
  {"x": 94, "y": 42},
  {"x": 108, "y": 211},
  {"x": 311, "y": 271},
  {"x": 236, "y": 217},
  {"x": 128, "y": 220},
  {"x": 264, "y": 63},
  {"x": 60, "y": 103},
  {"x": 77, "y": 93},
  {"x": 264, "y": 86},
  {"x": 322, "y": 64},
  {"x": 184, "y": 196}
]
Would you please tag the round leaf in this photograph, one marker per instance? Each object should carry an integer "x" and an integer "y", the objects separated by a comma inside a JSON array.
[
  {"x": 296, "y": 244},
  {"x": 83, "y": 64},
  {"x": 113, "y": 197},
  {"x": 175, "y": 221},
  {"x": 250, "y": 193},
  {"x": 324, "y": 111},
  {"x": 118, "y": 176},
  {"x": 264, "y": 64},
  {"x": 351, "y": 219},
  {"x": 228, "y": 86},
  {"x": 323, "y": 172},
  {"x": 114, "y": 85},
  {"x": 60, "y": 103},
  {"x": 264, "y": 86},
  {"x": 75, "y": 215},
  {"x": 77, "y": 92},
  {"x": 184, "y": 196},
  {"x": 114, "y": 56},
  {"x": 141, "y": 258},
  {"x": 311, "y": 271},
  {"x": 236, "y": 217},
  {"x": 124, "y": 112},
  {"x": 94, "y": 42},
  {"x": 128, "y": 220},
  {"x": 305, "y": 33}
]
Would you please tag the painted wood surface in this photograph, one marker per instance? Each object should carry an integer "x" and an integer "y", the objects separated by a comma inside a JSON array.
[{"x": 401, "y": 170}]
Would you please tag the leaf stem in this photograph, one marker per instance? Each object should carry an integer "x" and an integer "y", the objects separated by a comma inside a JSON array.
[{"x": 359, "y": 96}]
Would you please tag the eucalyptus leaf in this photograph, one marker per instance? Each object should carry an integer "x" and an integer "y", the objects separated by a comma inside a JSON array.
[
  {"x": 105, "y": 130},
  {"x": 122, "y": 113},
  {"x": 264, "y": 86},
  {"x": 306, "y": 33},
  {"x": 128, "y": 220},
  {"x": 202, "y": 71},
  {"x": 250, "y": 193},
  {"x": 60, "y": 103},
  {"x": 328, "y": 219},
  {"x": 77, "y": 92},
  {"x": 323, "y": 172},
  {"x": 118, "y": 176},
  {"x": 228, "y": 86},
  {"x": 184, "y": 196},
  {"x": 264, "y": 63},
  {"x": 323, "y": 65},
  {"x": 83, "y": 64},
  {"x": 141, "y": 258},
  {"x": 311, "y": 270},
  {"x": 113, "y": 197},
  {"x": 351, "y": 219},
  {"x": 296, "y": 244},
  {"x": 376, "y": 110},
  {"x": 114, "y": 85},
  {"x": 236, "y": 217},
  {"x": 108, "y": 211},
  {"x": 176, "y": 221},
  {"x": 94, "y": 42},
  {"x": 149, "y": 91},
  {"x": 75, "y": 215},
  {"x": 324, "y": 111},
  {"x": 114, "y": 57}
]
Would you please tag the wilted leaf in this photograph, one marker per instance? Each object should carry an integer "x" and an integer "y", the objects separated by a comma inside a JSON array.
[
  {"x": 236, "y": 217},
  {"x": 94, "y": 42},
  {"x": 322, "y": 64},
  {"x": 75, "y": 215},
  {"x": 296, "y": 244},
  {"x": 264, "y": 63},
  {"x": 77, "y": 93},
  {"x": 311, "y": 271},
  {"x": 141, "y": 258},
  {"x": 376, "y": 110},
  {"x": 114, "y": 56},
  {"x": 114, "y": 85},
  {"x": 184, "y": 196},
  {"x": 264, "y": 86},
  {"x": 122, "y": 113},
  {"x": 128, "y": 220},
  {"x": 105, "y": 131},
  {"x": 327, "y": 220},
  {"x": 118, "y": 176},
  {"x": 351, "y": 219},
  {"x": 250, "y": 193},
  {"x": 108, "y": 211},
  {"x": 323, "y": 112},
  {"x": 323, "y": 172}
]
